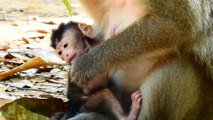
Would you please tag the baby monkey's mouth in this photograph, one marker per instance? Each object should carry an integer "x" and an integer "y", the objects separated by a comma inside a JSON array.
[
  {"x": 76, "y": 56},
  {"x": 71, "y": 58}
]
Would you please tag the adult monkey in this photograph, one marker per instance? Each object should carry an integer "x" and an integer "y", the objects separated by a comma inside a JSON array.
[{"x": 165, "y": 45}]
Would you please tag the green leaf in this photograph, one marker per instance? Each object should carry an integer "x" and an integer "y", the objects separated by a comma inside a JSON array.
[
  {"x": 67, "y": 4},
  {"x": 33, "y": 109}
]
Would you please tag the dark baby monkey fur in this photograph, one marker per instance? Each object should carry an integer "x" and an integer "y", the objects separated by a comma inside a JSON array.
[{"x": 77, "y": 39}]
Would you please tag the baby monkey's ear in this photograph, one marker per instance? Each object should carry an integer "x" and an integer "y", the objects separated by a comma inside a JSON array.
[{"x": 86, "y": 29}]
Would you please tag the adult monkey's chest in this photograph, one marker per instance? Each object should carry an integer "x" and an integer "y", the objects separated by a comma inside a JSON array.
[{"x": 122, "y": 14}]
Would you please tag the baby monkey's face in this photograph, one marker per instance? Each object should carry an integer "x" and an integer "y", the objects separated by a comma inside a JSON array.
[{"x": 72, "y": 46}]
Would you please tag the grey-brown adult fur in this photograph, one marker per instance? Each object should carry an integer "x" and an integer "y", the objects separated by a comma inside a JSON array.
[{"x": 181, "y": 87}]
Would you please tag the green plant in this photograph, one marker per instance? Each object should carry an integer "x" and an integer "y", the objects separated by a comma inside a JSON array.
[{"x": 67, "y": 4}]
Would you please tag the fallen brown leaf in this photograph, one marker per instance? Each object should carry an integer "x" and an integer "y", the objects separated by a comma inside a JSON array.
[
  {"x": 39, "y": 31},
  {"x": 4, "y": 48},
  {"x": 25, "y": 40},
  {"x": 42, "y": 31},
  {"x": 39, "y": 36},
  {"x": 49, "y": 22},
  {"x": 33, "y": 63},
  {"x": 9, "y": 56},
  {"x": 3, "y": 60},
  {"x": 57, "y": 81}
]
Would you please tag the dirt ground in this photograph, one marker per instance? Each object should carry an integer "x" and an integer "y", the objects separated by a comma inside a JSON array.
[
  {"x": 14, "y": 9},
  {"x": 26, "y": 25}
]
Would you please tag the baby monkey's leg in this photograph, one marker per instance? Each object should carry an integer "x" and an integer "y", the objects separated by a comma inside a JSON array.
[{"x": 104, "y": 101}]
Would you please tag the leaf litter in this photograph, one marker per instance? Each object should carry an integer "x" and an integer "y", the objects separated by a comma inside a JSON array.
[{"x": 32, "y": 77}]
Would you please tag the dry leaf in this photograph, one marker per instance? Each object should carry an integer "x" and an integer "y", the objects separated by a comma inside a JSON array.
[
  {"x": 20, "y": 56},
  {"x": 4, "y": 48},
  {"x": 57, "y": 81},
  {"x": 39, "y": 31},
  {"x": 33, "y": 109},
  {"x": 49, "y": 22},
  {"x": 21, "y": 84},
  {"x": 3, "y": 60},
  {"x": 2, "y": 90},
  {"x": 40, "y": 37},
  {"x": 9, "y": 56},
  {"x": 25, "y": 40},
  {"x": 33, "y": 63},
  {"x": 8, "y": 96},
  {"x": 42, "y": 31},
  {"x": 48, "y": 55}
]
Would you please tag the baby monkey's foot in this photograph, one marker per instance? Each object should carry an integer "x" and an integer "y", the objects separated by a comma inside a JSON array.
[{"x": 136, "y": 105}]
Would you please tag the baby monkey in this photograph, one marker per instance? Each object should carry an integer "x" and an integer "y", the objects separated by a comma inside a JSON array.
[{"x": 71, "y": 41}]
